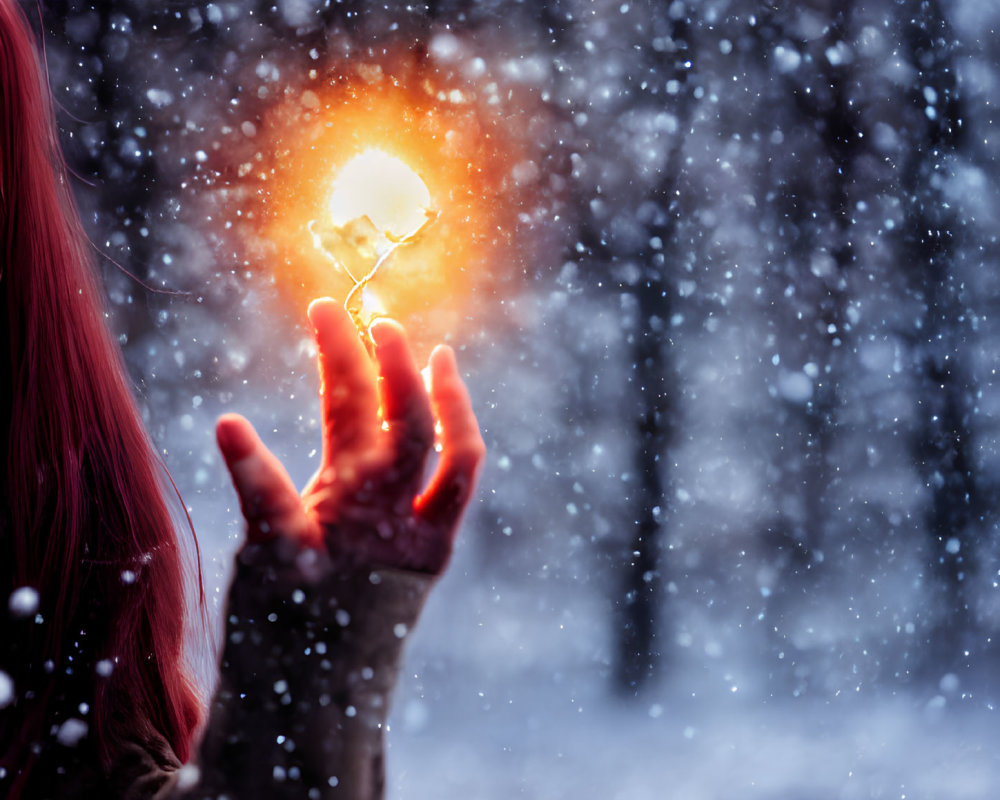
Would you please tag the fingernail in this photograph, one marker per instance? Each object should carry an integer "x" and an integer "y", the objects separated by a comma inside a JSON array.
[
  {"x": 375, "y": 332},
  {"x": 442, "y": 356},
  {"x": 380, "y": 331},
  {"x": 235, "y": 439},
  {"x": 313, "y": 306}
]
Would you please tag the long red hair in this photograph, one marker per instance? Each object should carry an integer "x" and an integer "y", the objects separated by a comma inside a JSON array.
[{"x": 86, "y": 523}]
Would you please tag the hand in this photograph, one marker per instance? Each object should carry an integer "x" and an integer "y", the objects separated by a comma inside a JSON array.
[{"x": 364, "y": 504}]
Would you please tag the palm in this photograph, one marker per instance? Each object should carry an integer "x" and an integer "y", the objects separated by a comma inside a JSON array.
[
  {"x": 376, "y": 527},
  {"x": 365, "y": 503}
]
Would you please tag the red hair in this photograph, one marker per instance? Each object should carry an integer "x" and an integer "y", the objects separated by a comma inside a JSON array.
[{"x": 86, "y": 522}]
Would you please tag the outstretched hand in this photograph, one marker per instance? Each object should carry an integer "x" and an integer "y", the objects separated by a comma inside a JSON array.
[{"x": 366, "y": 504}]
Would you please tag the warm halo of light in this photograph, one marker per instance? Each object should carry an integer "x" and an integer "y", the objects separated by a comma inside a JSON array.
[
  {"x": 384, "y": 189},
  {"x": 463, "y": 147}
]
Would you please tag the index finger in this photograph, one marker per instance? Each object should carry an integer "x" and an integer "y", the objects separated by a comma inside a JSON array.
[{"x": 270, "y": 502}]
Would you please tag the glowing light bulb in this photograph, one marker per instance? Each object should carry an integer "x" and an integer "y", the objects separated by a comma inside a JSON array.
[
  {"x": 385, "y": 190},
  {"x": 377, "y": 204}
]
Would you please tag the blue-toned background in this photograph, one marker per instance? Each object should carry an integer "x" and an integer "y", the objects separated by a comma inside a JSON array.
[{"x": 737, "y": 532}]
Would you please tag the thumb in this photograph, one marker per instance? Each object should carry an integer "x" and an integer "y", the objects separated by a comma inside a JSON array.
[{"x": 270, "y": 502}]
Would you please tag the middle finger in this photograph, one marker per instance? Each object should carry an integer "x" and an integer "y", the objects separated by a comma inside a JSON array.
[
  {"x": 347, "y": 381},
  {"x": 406, "y": 407}
]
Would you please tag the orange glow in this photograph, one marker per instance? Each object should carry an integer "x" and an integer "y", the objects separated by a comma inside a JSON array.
[{"x": 462, "y": 152}]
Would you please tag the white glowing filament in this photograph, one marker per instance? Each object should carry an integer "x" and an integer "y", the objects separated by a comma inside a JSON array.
[
  {"x": 384, "y": 189},
  {"x": 371, "y": 305}
]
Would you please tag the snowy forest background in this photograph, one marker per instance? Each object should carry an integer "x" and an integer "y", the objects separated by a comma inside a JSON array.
[{"x": 737, "y": 533}]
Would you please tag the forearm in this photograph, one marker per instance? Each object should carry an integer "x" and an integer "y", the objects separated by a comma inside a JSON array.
[{"x": 306, "y": 678}]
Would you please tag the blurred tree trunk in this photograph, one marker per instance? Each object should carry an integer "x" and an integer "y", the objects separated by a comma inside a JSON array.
[
  {"x": 638, "y": 585},
  {"x": 815, "y": 211},
  {"x": 944, "y": 439},
  {"x": 832, "y": 111},
  {"x": 642, "y": 602}
]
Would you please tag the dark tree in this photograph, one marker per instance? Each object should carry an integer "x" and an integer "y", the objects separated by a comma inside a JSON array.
[{"x": 945, "y": 439}]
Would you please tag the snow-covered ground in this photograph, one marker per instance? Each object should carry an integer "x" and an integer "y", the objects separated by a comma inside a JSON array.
[
  {"x": 526, "y": 745},
  {"x": 507, "y": 695}
]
